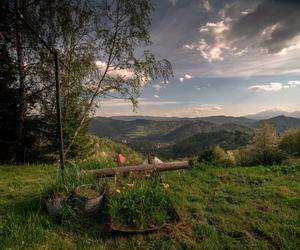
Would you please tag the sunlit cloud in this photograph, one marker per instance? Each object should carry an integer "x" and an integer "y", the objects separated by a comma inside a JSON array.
[
  {"x": 293, "y": 84},
  {"x": 157, "y": 87},
  {"x": 115, "y": 72},
  {"x": 185, "y": 77},
  {"x": 272, "y": 86}
]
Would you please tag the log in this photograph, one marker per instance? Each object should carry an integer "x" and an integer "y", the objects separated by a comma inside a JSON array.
[{"x": 111, "y": 172}]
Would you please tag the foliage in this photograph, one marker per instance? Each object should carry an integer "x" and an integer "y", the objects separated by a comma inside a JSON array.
[
  {"x": 141, "y": 204},
  {"x": 8, "y": 106},
  {"x": 222, "y": 158},
  {"x": 264, "y": 149},
  {"x": 105, "y": 152},
  {"x": 97, "y": 43},
  {"x": 205, "y": 156},
  {"x": 290, "y": 142},
  {"x": 72, "y": 178}
]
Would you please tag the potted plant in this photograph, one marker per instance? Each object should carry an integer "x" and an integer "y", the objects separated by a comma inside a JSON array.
[{"x": 89, "y": 198}]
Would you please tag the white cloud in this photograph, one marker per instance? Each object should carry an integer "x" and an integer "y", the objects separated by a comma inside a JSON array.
[
  {"x": 115, "y": 72},
  {"x": 272, "y": 86},
  {"x": 157, "y": 87},
  {"x": 294, "y": 83},
  {"x": 207, "y": 5},
  {"x": 206, "y": 107},
  {"x": 212, "y": 42},
  {"x": 141, "y": 102},
  {"x": 185, "y": 77}
]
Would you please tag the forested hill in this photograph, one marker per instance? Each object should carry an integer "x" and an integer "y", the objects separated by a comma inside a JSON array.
[{"x": 178, "y": 137}]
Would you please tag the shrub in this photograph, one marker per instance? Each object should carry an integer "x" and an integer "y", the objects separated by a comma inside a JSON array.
[
  {"x": 251, "y": 156},
  {"x": 140, "y": 204},
  {"x": 205, "y": 156},
  {"x": 221, "y": 158},
  {"x": 290, "y": 142}
]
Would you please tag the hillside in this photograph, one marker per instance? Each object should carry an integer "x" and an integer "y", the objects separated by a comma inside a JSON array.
[
  {"x": 219, "y": 208},
  {"x": 198, "y": 143},
  {"x": 164, "y": 136},
  {"x": 283, "y": 123}
]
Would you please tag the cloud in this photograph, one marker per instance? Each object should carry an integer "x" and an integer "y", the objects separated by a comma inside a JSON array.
[
  {"x": 212, "y": 42},
  {"x": 272, "y": 86},
  {"x": 206, "y": 5},
  {"x": 185, "y": 77},
  {"x": 110, "y": 103},
  {"x": 173, "y": 2},
  {"x": 157, "y": 87},
  {"x": 115, "y": 72},
  {"x": 206, "y": 107},
  {"x": 198, "y": 88},
  {"x": 293, "y": 84},
  {"x": 270, "y": 27}
]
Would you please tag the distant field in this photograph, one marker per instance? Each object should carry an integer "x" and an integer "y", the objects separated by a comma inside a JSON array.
[{"x": 233, "y": 208}]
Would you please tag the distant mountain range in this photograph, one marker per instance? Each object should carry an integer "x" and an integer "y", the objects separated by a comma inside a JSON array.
[
  {"x": 273, "y": 113},
  {"x": 162, "y": 135}
]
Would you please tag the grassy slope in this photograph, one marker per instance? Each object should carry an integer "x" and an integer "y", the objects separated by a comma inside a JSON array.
[{"x": 220, "y": 208}]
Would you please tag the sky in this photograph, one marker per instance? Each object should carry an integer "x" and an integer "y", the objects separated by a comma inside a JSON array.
[{"x": 229, "y": 58}]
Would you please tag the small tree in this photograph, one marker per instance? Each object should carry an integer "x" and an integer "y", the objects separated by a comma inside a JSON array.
[
  {"x": 290, "y": 142},
  {"x": 222, "y": 158},
  {"x": 264, "y": 149}
]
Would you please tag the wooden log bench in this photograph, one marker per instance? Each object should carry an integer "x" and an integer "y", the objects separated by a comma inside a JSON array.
[{"x": 111, "y": 172}]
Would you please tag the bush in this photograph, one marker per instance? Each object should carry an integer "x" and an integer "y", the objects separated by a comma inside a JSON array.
[
  {"x": 290, "y": 142},
  {"x": 251, "y": 156},
  {"x": 205, "y": 156},
  {"x": 221, "y": 158},
  {"x": 140, "y": 204}
]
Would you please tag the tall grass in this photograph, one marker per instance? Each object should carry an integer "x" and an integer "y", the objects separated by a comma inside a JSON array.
[{"x": 142, "y": 203}]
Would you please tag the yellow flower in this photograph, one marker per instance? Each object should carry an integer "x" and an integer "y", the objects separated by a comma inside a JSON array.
[
  {"x": 165, "y": 185},
  {"x": 130, "y": 184},
  {"x": 118, "y": 190},
  {"x": 147, "y": 175}
]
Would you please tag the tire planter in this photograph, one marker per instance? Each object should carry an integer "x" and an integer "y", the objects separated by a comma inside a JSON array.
[
  {"x": 88, "y": 206},
  {"x": 54, "y": 202},
  {"x": 135, "y": 230}
]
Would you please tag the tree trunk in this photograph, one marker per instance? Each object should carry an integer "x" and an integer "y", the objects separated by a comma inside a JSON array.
[
  {"x": 110, "y": 172},
  {"x": 22, "y": 90}
]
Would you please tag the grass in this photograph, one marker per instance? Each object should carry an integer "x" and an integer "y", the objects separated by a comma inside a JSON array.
[
  {"x": 141, "y": 204},
  {"x": 232, "y": 208}
]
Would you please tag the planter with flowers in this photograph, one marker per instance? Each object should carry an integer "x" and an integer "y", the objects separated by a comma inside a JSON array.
[{"x": 141, "y": 206}]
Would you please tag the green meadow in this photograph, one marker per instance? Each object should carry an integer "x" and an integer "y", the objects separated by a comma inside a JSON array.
[{"x": 219, "y": 208}]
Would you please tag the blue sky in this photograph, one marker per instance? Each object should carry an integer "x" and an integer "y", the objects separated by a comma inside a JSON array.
[{"x": 229, "y": 58}]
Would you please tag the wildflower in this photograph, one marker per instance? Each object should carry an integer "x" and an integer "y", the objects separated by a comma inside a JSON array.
[
  {"x": 118, "y": 190},
  {"x": 147, "y": 175},
  {"x": 165, "y": 185},
  {"x": 130, "y": 184}
]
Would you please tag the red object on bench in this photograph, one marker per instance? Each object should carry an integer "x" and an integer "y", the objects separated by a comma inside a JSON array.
[{"x": 121, "y": 159}]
